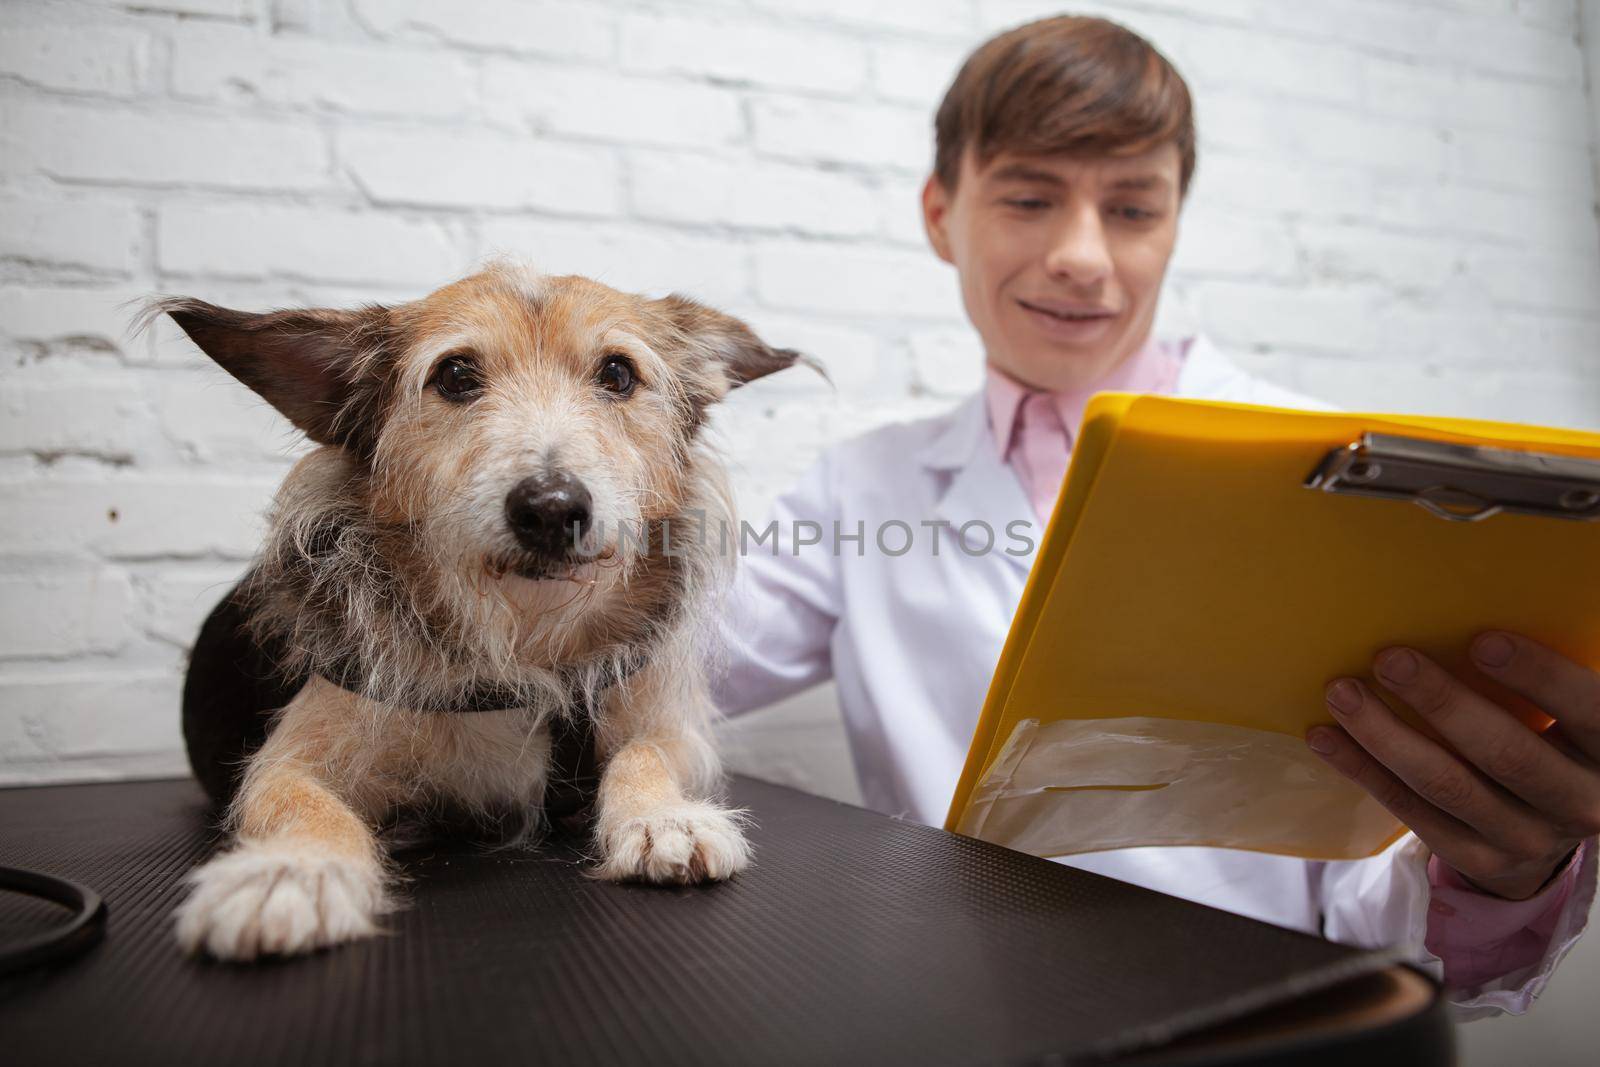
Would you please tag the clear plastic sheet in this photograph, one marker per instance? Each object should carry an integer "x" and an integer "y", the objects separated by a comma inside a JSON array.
[{"x": 1081, "y": 785}]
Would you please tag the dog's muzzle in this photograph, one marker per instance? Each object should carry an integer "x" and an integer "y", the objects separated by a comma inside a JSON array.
[{"x": 549, "y": 513}]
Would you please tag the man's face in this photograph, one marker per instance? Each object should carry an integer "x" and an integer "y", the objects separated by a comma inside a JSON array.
[{"x": 1061, "y": 258}]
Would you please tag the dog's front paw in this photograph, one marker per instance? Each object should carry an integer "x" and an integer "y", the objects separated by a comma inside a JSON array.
[
  {"x": 278, "y": 898},
  {"x": 679, "y": 843}
]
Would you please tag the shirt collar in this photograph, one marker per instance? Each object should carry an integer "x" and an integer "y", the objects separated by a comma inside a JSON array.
[{"x": 1152, "y": 369}]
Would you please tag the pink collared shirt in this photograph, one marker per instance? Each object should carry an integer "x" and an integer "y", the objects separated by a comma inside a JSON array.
[
  {"x": 1035, "y": 430},
  {"x": 1477, "y": 936}
]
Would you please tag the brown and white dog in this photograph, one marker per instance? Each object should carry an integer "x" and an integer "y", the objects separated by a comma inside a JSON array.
[{"x": 511, "y": 497}]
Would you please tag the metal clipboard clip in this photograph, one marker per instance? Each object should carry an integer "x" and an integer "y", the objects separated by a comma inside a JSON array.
[{"x": 1462, "y": 483}]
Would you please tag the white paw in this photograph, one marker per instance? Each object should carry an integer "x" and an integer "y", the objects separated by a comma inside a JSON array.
[
  {"x": 680, "y": 843},
  {"x": 277, "y": 899}
]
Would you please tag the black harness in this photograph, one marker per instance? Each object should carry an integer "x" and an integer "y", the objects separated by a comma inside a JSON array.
[
  {"x": 574, "y": 777},
  {"x": 236, "y": 683}
]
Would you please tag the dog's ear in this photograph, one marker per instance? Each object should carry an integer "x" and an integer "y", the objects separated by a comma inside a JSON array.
[
  {"x": 305, "y": 363},
  {"x": 731, "y": 344}
]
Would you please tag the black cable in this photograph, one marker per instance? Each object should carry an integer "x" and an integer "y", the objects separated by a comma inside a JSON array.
[{"x": 86, "y": 927}]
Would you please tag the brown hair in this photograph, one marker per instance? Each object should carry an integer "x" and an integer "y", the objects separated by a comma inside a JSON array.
[{"x": 1068, "y": 84}]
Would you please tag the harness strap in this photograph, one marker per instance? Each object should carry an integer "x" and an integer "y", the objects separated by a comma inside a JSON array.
[
  {"x": 574, "y": 780},
  {"x": 574, "y": 776}
]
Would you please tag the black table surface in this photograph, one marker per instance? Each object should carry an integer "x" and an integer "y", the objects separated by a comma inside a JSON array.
[{"x": 854, "y": 938}]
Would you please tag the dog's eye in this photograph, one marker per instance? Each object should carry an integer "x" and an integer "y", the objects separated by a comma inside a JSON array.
[
  {"x": 456, "y": 377},
  {"x": 616, "y": 374}
]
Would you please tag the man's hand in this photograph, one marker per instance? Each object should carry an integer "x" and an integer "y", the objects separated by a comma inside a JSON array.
[{"x": 1507, "y": 806}]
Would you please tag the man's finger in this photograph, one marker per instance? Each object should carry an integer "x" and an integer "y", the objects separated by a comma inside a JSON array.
[
  {"x": 1566, "y": 691},
  {"x": 1426, "y": 768},
  {"x": 1493, "y": 740},
  {"x": 1454, "y": 841}
]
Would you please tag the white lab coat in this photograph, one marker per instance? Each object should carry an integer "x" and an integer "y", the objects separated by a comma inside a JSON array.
[{"x": 912, "y": 641}]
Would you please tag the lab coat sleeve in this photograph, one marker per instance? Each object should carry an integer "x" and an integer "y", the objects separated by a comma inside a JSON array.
[
  {"x": 1384, "y": 900},
  {"x": 779, "y": 616}
]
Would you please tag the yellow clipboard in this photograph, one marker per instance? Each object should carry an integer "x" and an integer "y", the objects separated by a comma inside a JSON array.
[{"x": 1210, "y": 566}]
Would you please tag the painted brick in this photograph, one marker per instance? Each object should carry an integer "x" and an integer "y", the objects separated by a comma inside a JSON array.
[
  {"x": 995, "y": 16},
  {"x": 599, "y": 106},
  {"x": 1283, "y": 188},
  {"x": 566, "y": 31},
  {"x": 1329, "y": 319},
  {"x": 160, "y": 762},
  {"x": 1523, "y": 51},
  {"x": 1543, "y": 400},
  {"x": 788, "y": 57},
  {"x": 1518, "y": 163},
  {"x": 787, "y": 433},
  {"x": 914, "y": 73},
  {"x": 1276, "y": 128},
  {"x": 1360, "y": 254},
  {"x": 900, "y": 207},
  {"x": 481, "y": 170},
  {"x": 1232, "y": 245},
  {"x": 922, "y": 18},
  {"x": 854, "y": 359},
  {"x": 96, "y": 317},
  {"x": 1459, "y": 99},
  {"x": 239, "y": 65},
  {"x": 1556, "y": 220},
  {"x": 86, "y": 234},
  {"x": 947, "y": 362},
  {"x": 1208, "y": 55},
  {"x": 1409, "y": 30},
  {"x": 1553, "y": 283},
  {"x": 293, "y": 15},
  {"x": 220, "y": 9},
  {"x": 135, "y": 517},
  {"x": 629, "y": 259},
  {"x": 59, "y": 613},
  {"x": 1475, "y": 335},
  {"x": 338, "y": 246},
  {"x": 843, "y": 133},
  {"x": 1176, "y": 312},
  {"x": 1589, "y": 32},
  {"x": 1502, "y": 396},
  {"x": 1288, "y": 67},
  {"x": 213, "y": 419},
  {"x": 102, "y": 715},
  {"x": 351, "y": 296},
  {"x": 855, "y": 281},
  {"x": 174, "y": 599},
  {"x": 147, "y": 147},
  {"x": 74, "y": 414},
  {"x": 1558, "y": 15},
  {"x": 80, "y": 59},
  {"x": 679, "y": 187}
]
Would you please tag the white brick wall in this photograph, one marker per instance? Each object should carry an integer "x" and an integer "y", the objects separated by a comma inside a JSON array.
[
  {"x": 1395, "y": 208},
  {"x": 1589, "y": 36}
]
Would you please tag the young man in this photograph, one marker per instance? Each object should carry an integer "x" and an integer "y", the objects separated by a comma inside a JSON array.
[{"x": 1064, "y": 150}]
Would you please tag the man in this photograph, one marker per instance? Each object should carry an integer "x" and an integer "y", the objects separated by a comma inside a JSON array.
[{"x": 1064, "y": 150}]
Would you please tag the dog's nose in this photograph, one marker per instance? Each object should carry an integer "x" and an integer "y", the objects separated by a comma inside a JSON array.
[{"x": 548, "y": 513}]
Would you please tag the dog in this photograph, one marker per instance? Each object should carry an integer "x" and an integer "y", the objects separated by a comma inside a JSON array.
[{"x": 499, "y": 543}]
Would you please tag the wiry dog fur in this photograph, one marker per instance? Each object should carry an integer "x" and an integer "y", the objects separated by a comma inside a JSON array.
[{"x": 389, "y": 547}]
